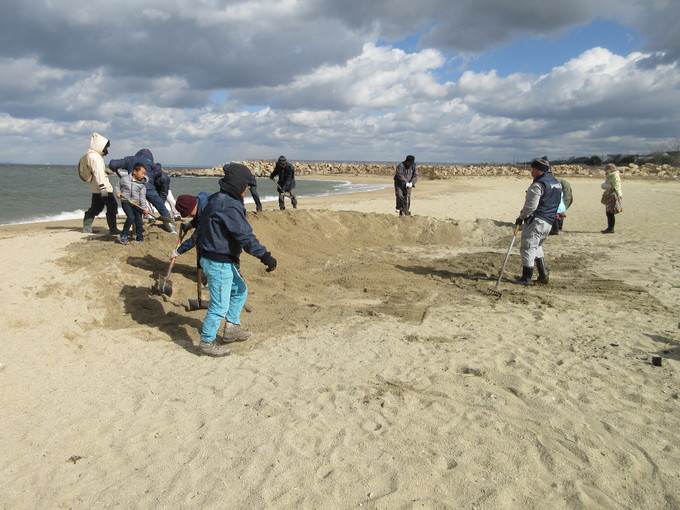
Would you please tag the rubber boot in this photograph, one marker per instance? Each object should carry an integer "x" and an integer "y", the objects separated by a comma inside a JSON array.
[
  {"x": 527, "y": 273},
  {"x": 87, "y": 225},
  {"x": 113, "y": 225},
  {"x": 542, "y": 272}
]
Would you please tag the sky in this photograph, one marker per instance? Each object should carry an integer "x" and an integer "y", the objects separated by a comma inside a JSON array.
[{"x": 204, "y": 82}]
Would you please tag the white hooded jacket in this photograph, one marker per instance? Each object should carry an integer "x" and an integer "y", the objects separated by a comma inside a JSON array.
[{"x": 94, "y": 159}]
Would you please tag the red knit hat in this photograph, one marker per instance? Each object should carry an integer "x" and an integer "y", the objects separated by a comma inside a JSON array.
[{"x": 185, "y": 204}]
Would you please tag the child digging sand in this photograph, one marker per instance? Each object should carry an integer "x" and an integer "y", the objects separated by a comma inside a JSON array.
[
  {"x": 131, "y": 189},
  {"x": 224, "y": 234}
]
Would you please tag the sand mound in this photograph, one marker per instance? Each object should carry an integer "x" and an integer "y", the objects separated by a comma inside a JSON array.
[{"x": 332, "y": 266}]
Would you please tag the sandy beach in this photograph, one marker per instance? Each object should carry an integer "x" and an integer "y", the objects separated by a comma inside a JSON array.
[{"x": 382, "y": 372}]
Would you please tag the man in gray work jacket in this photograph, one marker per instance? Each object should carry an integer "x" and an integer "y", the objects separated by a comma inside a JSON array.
[{"x": 538, "y": 214}]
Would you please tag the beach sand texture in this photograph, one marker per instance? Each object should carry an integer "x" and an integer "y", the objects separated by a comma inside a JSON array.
[{"x": 382, "y": 373}]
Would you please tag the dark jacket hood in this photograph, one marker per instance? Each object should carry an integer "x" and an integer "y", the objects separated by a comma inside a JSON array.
[
  {"x": 235, "y": 180},
  {"x": 145, "y": 153}
]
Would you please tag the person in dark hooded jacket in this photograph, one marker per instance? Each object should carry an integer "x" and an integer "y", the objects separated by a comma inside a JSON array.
[
  {"x": 224, "y": 234},
  {"x": 286, "y": 182},
  {"x": 154, "y": 174}
]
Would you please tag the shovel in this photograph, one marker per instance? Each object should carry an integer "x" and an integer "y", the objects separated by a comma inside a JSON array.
[
  {"x": 495, "y": 290},
  {"x": 284, "y": 193},
  {"x": 164, "y": 285},
  {"x": 199, "y": 303},
  {"x": 162, "y": 218}
]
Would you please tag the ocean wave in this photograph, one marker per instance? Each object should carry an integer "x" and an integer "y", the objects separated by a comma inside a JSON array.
[{"x": 68, "y": 215}]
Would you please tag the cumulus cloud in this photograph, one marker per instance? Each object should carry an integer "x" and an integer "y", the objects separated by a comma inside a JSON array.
[{"x": 206, "y": 81}]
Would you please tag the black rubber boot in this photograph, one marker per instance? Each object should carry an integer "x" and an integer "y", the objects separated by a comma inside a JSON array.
[
  {"x": 542, "y": 272},
  {"x": 113, "y": 225},
  {"x": 527, "y": 273}
]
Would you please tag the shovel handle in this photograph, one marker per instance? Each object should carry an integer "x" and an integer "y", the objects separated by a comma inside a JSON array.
[{"x": 507, "y": 255}]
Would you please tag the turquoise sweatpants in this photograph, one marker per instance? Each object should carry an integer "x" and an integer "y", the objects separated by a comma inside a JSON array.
[{"x": 228, "y": 293}]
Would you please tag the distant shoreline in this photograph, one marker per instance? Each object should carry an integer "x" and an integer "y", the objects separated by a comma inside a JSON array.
[{"x": 261, "y": 168}]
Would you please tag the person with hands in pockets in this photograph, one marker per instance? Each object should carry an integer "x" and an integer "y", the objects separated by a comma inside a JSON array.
[{"x": 223, "y": 235}]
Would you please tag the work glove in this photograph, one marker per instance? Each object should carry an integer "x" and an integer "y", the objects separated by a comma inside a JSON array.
[
  {"x": 174, "y": 254},
  {"x": 269, "y": 261},
  {"x": 604, "y": 185},
  {"x": 519, "y": 221},
  {"x": 409, "y": 184},
  {"x": 104, "y": 193}
]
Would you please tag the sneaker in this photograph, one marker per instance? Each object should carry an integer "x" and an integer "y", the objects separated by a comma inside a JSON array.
[
  {"x": 212, "y": 349},
  {"x": 124, "y": 240},
  {"x": 607, "y": 231},
  {"x": 140, "y": 240},
  {"x": 234, "y": 333}
]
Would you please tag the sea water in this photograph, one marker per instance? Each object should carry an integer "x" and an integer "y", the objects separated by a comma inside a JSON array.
[{"x": 38, "y": 193}]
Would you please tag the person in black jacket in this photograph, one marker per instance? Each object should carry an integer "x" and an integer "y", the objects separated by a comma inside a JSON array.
[
  {"x": 286, "y": 183},
  {"x": 224, "y": 234},
  {"x": 158, "y": 181}
]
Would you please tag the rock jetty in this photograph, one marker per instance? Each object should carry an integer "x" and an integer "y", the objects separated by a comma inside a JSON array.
[{"x": 262, "y": 168}]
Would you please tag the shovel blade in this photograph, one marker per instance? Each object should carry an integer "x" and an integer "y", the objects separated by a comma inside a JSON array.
[
  {"x": 199, "y": 304},
  {"x": 163, "y": 286}
]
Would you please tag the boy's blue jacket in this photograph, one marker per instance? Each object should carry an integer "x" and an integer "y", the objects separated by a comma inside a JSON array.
[
  {"x": 202, "y": 199},
  {"x": 225, "y": 232}
]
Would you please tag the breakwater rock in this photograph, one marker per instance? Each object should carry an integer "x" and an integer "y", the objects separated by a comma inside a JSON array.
[{"x": 263, "y": 168}]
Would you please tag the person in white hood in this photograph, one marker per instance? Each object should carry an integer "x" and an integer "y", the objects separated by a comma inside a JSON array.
[{"x": 100, "y": 186}]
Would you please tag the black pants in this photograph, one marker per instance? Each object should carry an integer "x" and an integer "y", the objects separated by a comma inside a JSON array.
[
  {"x": 98, "y": 203},
  {"x": 403, "y": 198},
  {"x": 611, "y": 221},
  {"x": 282, "y": 199},
  {"x": 256, "y": 198}
]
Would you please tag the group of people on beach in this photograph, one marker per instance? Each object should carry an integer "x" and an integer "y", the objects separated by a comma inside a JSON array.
[
  {"x": 546, "y": 202},
  {"x": 221, "y": 231}
]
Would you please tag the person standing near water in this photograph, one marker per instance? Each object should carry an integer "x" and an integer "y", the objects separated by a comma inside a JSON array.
[
  {"x": 405, "y": 180},
  {"x": 92, "y": 164},
  {"x": 286, "y": 182}
]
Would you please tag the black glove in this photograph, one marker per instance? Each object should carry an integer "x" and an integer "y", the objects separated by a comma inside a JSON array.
[
  {"x": 269, "y": 261},
  {"x": 519, "y": 221}
]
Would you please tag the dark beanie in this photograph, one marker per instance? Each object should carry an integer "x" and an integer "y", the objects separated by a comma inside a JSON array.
[
  {"x": 541, "y": 164},
  {"x": 235, "y": 180},
  {"x": 185, "y": 204},
  {"x": 282, "y": 160},
  {"x": 410, "y": 158}
]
